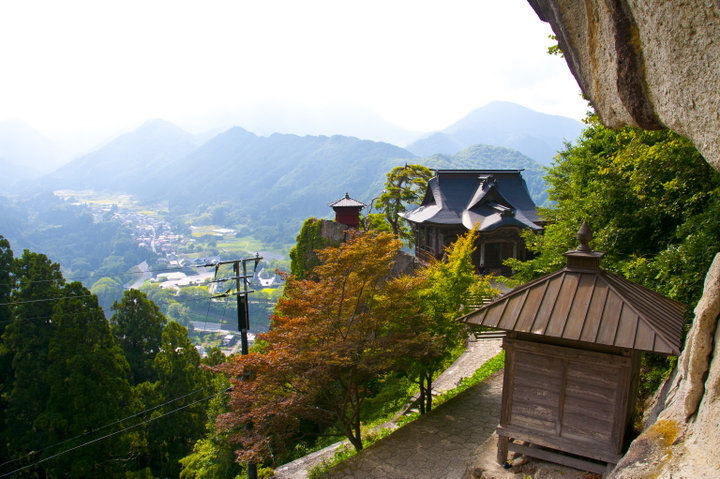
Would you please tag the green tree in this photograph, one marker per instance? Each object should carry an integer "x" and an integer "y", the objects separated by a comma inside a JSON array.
[
  {"x": 88, "y": 388},
  {"x": 436, "y": 297},
  {"x": 213, "y": 455},
  {"x": 405, "y": 186},
  {"x": 652, "y": 201},
  {"x": 177, "y": 366},
  {"x": 137, "y": 325},
  {"x": 26, "y": 341},
  {"x": 7, "y": 285}
]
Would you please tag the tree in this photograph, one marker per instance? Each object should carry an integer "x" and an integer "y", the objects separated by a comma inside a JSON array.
[
  {"x": 330, "y": 339},
  {"x": 137, "y": 325},
  {"x": 7, "y": 285},
  {"x": 88, "y": 388},
  {"x": 26, "y": 341},
  {"x": 177, "y": 367},
  {"x": 213, "y": 455},
  {"x": 652, "y": 201},
  {"x": 435, "y": 297},
  {"x": 405, "y": 186}
]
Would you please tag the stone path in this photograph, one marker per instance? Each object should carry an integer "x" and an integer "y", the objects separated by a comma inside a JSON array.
[
  {"x": 441, "y": 444},
  {"x": 477, "y": 353}
]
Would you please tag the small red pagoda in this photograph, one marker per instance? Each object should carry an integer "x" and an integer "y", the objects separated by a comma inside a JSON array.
[{"x": 347, "y": 211}]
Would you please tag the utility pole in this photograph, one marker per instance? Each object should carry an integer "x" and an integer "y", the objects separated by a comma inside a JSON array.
[{"x": 240, "y": 271}]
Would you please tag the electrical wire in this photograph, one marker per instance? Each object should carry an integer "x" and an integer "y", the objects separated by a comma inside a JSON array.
[
  {"x": 80, "y": 278},
  {"x": 115, "y": 433},
  {"x": 45, "y": 299},
  {"x": 100, "y": 428}
]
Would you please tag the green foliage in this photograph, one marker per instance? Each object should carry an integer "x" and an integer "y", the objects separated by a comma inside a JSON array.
[
  {"x": 405, "y": 186},
  {"x": 137, "y": 325},
  {"x": 63, "y": 375},
  {"x": 179, "y": 374},
  {"x": 302, "y": 256},
  {"x": 651, "y": 199},
  {"x": 441, "y": 291},
  {"x": 87, "y": 383}
]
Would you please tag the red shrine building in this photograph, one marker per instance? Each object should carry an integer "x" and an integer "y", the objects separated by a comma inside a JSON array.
[{"x": 347, "y": 211}]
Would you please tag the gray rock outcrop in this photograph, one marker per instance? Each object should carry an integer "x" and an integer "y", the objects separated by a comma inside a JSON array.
[{"x": 656, "y": 64}]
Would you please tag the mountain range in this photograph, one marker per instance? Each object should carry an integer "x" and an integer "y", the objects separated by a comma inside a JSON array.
[
  {"x": 536, "y": 135},
  {"x": 272, "y": 183}
]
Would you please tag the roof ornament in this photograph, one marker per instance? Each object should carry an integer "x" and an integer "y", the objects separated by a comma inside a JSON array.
[
  {"x": 487, "y": 180},
  {"x": 584, "y": 236}
]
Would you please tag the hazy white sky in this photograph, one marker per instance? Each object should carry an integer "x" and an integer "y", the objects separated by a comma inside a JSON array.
[{"x": 75, "y": 67}]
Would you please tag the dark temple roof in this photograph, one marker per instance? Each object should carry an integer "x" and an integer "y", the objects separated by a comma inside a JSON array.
[
  {"x": 583, "y": 302},
  {"x": 491, "y": 198}
]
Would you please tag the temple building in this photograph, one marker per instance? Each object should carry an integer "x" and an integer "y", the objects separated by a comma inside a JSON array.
[
  {"x": 497, "y": 201},
  {"x": 347, "y": 211}
]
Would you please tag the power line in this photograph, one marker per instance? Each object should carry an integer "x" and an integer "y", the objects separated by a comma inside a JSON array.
[
  {"x": 113, "y": 434},
  {"x": 101, "y": 427},
  {"x": 79, "y": 278},
  {"x": 46, "y": 299}
]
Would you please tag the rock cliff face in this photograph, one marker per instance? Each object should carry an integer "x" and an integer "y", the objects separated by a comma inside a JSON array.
[{"x": 656, "y": 64}]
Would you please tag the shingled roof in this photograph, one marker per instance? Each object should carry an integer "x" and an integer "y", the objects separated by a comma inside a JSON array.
[
  {"x": 490, "y": 198},
  {"x": 347, "y": 202},
  {"x": 583, "y": 302}
]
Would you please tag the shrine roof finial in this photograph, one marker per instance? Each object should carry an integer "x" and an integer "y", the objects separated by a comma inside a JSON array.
[{"x": 584, "y": 236}]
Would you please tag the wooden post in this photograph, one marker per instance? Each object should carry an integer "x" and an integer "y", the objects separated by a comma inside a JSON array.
[{"x": 502, "y": 449}]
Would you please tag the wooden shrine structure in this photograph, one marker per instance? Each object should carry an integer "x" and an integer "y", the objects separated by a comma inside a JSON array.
[
  {"x": 347, "y": 211},
  {"x": 572, "y": 356}
]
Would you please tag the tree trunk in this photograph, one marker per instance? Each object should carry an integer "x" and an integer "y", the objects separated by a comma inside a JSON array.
[{"x": 428, "y": 395}]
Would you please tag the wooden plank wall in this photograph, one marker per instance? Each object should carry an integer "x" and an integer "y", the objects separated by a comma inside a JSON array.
[{"x": 566, "y": 398}]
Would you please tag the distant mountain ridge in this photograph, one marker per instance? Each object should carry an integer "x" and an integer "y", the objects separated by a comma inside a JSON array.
[
  {"x": 128, "y": 162},
  {"x": 24, "y": 153},
  {"x": 536, "y": 135},
  {"x": 264, "y": 185}
]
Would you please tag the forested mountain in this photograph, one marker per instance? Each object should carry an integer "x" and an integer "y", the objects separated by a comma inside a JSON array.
[
  {"x": 534, "y": 134},
  {"x": 127, "y": 164},
  {"x": 495, "y": 158},
  {"x": 275, "y": 181}
]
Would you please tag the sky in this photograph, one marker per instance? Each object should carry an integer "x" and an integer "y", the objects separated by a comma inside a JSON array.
[{"x": 78, "y": 70}]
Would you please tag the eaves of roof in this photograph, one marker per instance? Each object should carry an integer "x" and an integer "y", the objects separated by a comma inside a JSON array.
[{"x": 591, "y": 306}]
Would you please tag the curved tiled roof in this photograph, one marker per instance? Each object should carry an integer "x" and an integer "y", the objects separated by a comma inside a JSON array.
[{"x": 490, "y": 198}]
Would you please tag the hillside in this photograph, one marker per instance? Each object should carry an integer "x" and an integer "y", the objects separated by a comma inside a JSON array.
[
  {"x": 495, "y": 158},
  {"x": 265, "y": 186},
  {"x": 270, "y": 181},
  {"x": 128, "y": 163},
  {"x": 534, "y": 134}
]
